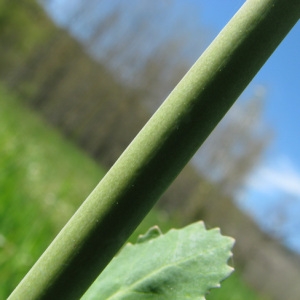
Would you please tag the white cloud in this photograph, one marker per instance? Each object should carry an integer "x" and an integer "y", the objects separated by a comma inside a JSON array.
[
  {"x": 278, "y": 176},
  {"x": 265, "y": 194}
]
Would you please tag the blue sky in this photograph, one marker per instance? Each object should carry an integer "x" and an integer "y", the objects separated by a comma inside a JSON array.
[
  {"x": 272, "y": 193},
  {"x": 275, "y": 183}
]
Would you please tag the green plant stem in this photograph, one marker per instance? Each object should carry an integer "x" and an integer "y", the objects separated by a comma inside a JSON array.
[{"x": 159, "y": 152}]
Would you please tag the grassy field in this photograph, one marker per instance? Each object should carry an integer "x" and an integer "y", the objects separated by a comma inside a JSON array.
[{"x": 43, "y": 180}]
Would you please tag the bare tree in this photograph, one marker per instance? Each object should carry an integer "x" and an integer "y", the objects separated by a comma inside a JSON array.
[
  {"x": 228, "y": 156},
  {"x": 236, "y": 145}
]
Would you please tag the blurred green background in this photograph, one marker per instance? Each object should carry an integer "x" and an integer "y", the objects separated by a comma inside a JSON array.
[{"x": 70, "y": 106}]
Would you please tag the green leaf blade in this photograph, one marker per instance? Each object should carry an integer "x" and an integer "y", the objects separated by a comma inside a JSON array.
[{"x": 182, "y": 264}]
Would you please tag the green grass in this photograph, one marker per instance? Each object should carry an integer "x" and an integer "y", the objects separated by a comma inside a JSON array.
[{"x": 43, "y": 180}]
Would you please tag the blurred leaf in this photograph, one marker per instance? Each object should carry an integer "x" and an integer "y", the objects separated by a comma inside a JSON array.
[{"x": 182, "y": 264}]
